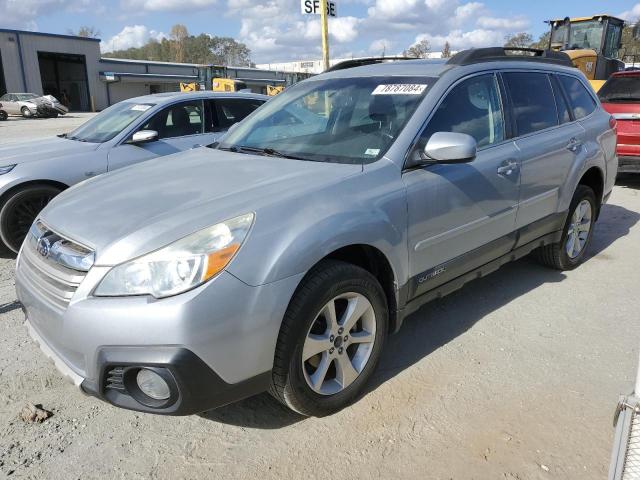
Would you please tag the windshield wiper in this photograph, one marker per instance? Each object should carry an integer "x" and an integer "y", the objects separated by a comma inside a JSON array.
[
  {"x": 270, "y": 152},
  {"x": 63, "y": 135}
]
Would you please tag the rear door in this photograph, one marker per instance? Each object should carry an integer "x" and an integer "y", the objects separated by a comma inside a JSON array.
[
  {"x": 222, "y": 113},
  {"x": 461, "y": 215},
  {"x": 548, "y": 140}
]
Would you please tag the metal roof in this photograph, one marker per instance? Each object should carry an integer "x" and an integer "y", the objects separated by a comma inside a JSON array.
[{"x": 42, "y": 34}]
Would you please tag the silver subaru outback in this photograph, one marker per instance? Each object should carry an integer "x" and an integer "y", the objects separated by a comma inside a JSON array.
[{"x": 282, "y": 258}]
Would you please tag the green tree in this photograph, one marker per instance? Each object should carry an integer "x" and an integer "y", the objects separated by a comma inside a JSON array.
[
  {"x": 182, "y": 47},
  {"x": 518, "y": 40},
  {"x": 418, "y": 50},
  {"x": 630, "y": 50}
]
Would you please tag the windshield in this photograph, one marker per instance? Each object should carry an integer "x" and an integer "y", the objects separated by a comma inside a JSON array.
[
  {"x": 586, "y": 34},
  {"x": 106, "y": 125},
  {"x": 621, "y": 89},
  {"x": 349, "y": 120},
  {"x": 26, "y": 96}
]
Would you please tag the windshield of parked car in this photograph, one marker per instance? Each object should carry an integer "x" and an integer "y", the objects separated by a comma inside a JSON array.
[
  {"x": 621, "y": 89},
  {"x": 109, "y": 123},
  {"x": 26, "y": 96},
  {"x": 348, "y": 120}
]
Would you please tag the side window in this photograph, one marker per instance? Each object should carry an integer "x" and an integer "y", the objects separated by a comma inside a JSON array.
[
  {"x": 227, "y": 111},
  {"x": 581, "y": 101},
  {"x": 472, "y": 107},
  {"x": 4, "y": 98},
  {"x": 563, "y": 109},
  {"x": 178, "y": 120},
  {"x": 534, "y": 106}
]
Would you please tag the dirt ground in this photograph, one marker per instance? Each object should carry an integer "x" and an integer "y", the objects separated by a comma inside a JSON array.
[{"x": 516, "y": 376}]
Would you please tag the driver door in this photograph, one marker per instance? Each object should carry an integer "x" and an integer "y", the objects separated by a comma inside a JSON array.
[
  {"x": 180, "y": 127},
  {"x": 461, "y": 215}
]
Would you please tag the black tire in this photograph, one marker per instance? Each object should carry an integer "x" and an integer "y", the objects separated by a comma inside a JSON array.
[
  {"x": 20, "y": 210},
  {"x": 3, "y": 115},
  {"x": 555, "y": 255},
  {"x": 323, "y": 283},
  {"x": 53, "y": 115},
  {"x": 26, "y": 112}
]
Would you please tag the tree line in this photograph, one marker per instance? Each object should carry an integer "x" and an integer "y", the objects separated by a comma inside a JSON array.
[{"x": 184, "y": 48}]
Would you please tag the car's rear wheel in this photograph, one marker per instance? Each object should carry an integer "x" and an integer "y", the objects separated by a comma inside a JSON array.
[
  {"x": 20, "y": 210},
  {"x": 330, "y": 340},
  {"x": 570, "y": 251},
  {"x": 26, "y": 112},
  {"x": 3, "y": 115}
]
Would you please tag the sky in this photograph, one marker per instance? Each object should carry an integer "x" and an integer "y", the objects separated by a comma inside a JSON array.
[{"x": 276, "y": 30}]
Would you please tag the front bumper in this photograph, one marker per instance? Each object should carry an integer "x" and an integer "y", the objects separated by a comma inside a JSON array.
[
  {"x": 628, "y": 164},
  {"x": 217, "y": 340}
]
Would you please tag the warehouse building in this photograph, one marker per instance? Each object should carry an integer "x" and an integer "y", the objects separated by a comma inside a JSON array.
[{"x": 71, "y": 69}]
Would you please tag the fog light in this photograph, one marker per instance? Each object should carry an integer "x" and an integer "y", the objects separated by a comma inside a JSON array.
[{"x": 152, "y": 385}]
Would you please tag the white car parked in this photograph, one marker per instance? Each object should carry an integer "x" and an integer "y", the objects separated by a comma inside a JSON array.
[{"x": 132, "y": 131}]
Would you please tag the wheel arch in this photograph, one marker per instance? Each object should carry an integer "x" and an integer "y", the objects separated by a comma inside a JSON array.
[
  {"x": 30, "y": 183},
  {"x": 377, "y": 264},
  {"x": 594, "y": 179}
]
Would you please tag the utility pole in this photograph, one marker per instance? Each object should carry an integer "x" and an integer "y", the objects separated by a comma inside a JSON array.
[{"x": 325, "y": 33}]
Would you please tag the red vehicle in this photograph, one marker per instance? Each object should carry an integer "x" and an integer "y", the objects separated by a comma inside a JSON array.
[{"x": 620, "y": 96}]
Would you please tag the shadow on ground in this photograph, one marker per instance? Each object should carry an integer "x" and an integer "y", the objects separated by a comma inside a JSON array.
[
  {"x": 439, "y": 322},
  {"x": 628, "y": 180}
]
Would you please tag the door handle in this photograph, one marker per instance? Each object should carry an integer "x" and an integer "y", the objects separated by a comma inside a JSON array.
[
  {"x": 574, "y": 144},
  {"x": 508, "y": 167}
]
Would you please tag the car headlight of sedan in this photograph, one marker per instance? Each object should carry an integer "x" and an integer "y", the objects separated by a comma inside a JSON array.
[{"x": 180, "y": 266}]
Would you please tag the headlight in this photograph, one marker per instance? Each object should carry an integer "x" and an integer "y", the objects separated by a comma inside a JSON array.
[
  {"x": 6, "y": 169},
  {"x": 181, "y": 266}
]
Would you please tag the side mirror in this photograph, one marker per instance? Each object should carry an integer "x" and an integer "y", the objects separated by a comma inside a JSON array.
[
  {"x": 451, "y": 147},
  {"x": 144, "y": 136}
]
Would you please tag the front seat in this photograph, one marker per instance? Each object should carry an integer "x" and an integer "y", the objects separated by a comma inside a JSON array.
[
  {"x": 181, "y": 125},
  {"x": 382, "y": 110}
]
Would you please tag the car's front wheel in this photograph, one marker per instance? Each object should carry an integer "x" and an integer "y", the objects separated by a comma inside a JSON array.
[
  {"x": 330, "y": 340},
  {"x": 20, "y": 211},
  {"x": 3, "y": 115},
  {"x": 26, "y": 112}
]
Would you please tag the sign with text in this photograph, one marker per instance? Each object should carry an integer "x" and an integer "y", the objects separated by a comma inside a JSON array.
[{"x": 312, "y": 7}]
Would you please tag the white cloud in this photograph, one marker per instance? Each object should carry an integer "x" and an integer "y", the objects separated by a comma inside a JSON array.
[
  {"x": 631, "y": 15},
  {"x": 130, "y": 37},
  {"x": 516, "y": 24},
  {"x": 165, "y": 5},
  {"x": 275, "y": 30},
  {"x": 380, "y": 46},
  {"x": 23, "y": 13},
  {"x": 459, "y": 39}
]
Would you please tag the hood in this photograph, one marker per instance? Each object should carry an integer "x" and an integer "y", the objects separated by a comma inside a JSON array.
[
  {"x": 138, "y": 209},
  {"x": 23, "y": 152}
]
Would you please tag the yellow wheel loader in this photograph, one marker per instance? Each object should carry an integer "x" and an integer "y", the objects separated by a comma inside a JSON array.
[
  {"x": 592, "y": 43},
  {"x": 213, "y": 77}
]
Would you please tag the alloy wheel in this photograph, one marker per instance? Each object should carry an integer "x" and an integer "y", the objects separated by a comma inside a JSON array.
[
  {"x": 339, "y": 343},
  {"x": 579, "y": 228}
]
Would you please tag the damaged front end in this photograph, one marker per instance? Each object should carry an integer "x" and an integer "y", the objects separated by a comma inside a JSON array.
[{"x": 49, "y": 106}]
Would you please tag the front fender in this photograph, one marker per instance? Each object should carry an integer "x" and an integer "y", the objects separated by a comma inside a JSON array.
[{"x": 287, "y": 240}]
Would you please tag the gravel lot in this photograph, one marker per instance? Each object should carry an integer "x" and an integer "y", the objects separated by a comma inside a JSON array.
[{"x": 516, "y": 376}]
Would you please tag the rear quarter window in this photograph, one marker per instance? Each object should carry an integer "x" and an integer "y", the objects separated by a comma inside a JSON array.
[
  {"x": 532, "y": 100},
  {"x": 580, "y": 100}
]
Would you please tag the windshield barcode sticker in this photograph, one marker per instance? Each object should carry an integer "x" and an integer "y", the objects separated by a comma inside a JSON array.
[{"x": 399, "y": 89}]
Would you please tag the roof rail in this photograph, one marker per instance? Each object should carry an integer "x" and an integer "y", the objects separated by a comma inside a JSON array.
[
  {"x": 494, "y": 54},
  {"x": 360, "y": 62}
]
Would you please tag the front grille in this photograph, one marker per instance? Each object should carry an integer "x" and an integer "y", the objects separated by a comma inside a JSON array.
[
  {"x": 114, "y": 379},
  {"x": 53, "y": 266}
]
